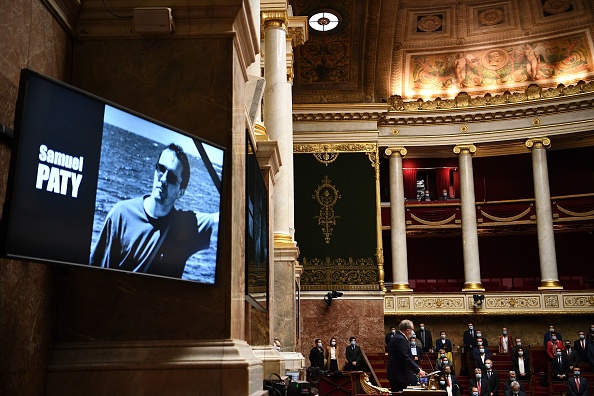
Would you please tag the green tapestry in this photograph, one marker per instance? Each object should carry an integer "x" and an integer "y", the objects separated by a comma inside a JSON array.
[{"x": 336, "y": 220}]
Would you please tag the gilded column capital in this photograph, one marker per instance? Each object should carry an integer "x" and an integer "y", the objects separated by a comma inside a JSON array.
[
  {"x": 394, "y": 151},
  {"x": 464, "y": 149},
  {"x": 274, "y": 19},
  {"x": 298, "y": 30},
  {"x": 538, "y": 142}
]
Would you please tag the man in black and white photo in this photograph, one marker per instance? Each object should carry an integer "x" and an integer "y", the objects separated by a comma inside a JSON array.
[{"x": 148, "y": 234}]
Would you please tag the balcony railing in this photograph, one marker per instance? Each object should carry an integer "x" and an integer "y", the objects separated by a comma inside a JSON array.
[{"x": 440, "y": 214}]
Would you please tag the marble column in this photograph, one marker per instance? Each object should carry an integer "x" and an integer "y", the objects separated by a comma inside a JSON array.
[
  {"x": 279, "y": 126},
  {"x": 278, "y": 118},
  {"x": 549, "y": 279},
  {"x": 398, "y": 220},
  {"x": 470, "y": 248}
]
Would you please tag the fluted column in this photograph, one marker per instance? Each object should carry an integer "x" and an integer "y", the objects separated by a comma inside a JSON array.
[
  {"x": 398, "y": 220},
  {"x": 470, "y": 248},
  {"x": 549, "y": 278}
]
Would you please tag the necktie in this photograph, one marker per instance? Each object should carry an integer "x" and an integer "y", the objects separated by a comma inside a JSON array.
[
  {"x": 583, "y": 346},
  {"x": 577, "y": 384},
  {"x": 449, "y": 383},
  {"x": 478, "y": 383}
]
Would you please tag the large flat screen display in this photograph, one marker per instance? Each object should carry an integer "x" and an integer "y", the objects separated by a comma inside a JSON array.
[{"x": 94, "y": 184}]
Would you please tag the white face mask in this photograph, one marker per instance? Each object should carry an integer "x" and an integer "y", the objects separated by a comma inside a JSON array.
[
  {"x": 393, "y": 331},
  {"x": 333, "y": 343},
  {"x": 488, "y": 365},
  {"x": 481, "y": 350},
  {"x": 319, "y": 344},
  {"x": 413, "y": 343},
  {"x": 353, "y": 342}
]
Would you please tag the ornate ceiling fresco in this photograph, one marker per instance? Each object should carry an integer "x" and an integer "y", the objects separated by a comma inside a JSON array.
[{"x": 428, "y": 49}]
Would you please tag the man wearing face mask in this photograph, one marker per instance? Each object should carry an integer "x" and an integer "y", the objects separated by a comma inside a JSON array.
[
  {"x": 469, "y": 337},
  {"x": 415, "y": 348},
  {"x": 402, "y": 369},
  {"x": 507, "y": 386},
  {"x": 443, "y": 342},
  {"x": 353, "y": 355},
  {"x": 578, "y": 386},
  {"x": 479, "y": 334},
  {"x": 316, "y": 355},
  {"x": 571, "y": 354},
  {"x": 332, "y": 356},
  {"x": 425, "y": 336},
  {"x": 581, "y": 346},
  {"x": 514, "y": 390},
  {"x": 480, "y": 357},
  {"x": 492, "y": 377},
  {"x": 479, "y": 382},
  {"x": 559, "y": 366},
  {"x": 481, "y": 343},
  {"x": 549, "y": 334},
  {"x": 452, "y": 386},
  {"x": 390, "y": 334}
]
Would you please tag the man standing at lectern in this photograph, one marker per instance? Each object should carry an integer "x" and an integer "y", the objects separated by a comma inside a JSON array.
[{"x": 402, "y": 370}]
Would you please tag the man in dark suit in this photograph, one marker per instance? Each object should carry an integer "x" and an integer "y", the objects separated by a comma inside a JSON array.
[
  {"x": 482, "y": 384},
  {"x": 353, "y": 355},
  {"x": 469, "y": 337},
  {"x": 492, "y": 377},
  {"x": 581, "y": 346},
  {"x": 578, "y": 386},
  {"x": 391, "y": 334},
  {"x": 572, "y": 355},
  {"x": 480, "y": 358},
  {"x": 560, "y": 366},
  {"x": 511, "y": 379},
  {"x": 549, "y": 334},
  {"x": 402, "y": 370},
  {"x": 443, "y": 342},
  {"x": 425, "y": 336},
  {"x": 515, "y": 390},
  {"x": 451, "y": 380}
]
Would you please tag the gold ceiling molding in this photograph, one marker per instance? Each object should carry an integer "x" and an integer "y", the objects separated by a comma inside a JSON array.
[
  {"x": 533, "y": 92},
  {"x": 335, "y": 148}
]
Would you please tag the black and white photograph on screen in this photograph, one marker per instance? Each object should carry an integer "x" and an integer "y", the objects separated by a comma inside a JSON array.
[{"x": 158, "y": 200}]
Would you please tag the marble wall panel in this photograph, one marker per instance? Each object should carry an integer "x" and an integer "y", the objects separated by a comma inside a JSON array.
[
  {"x": 31, "y": 38},
  {"x": 362, "y": 319}
]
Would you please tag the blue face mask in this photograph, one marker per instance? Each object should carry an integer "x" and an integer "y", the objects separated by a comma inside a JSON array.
[
  {"x": 353, "y": 342},
  {"x": 475, "y": 394},
  {"x": 576, "y": 373}
]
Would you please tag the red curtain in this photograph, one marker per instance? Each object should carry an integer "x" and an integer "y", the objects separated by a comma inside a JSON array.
[
  {"x": 410, "y": 183},
  {"x": 442, "y": 176}
]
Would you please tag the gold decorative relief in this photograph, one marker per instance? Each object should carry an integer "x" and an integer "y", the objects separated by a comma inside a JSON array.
[
  {"x": 578, "y": 301},
  {"x": 512, "y": 302},
  {"x": 389, "y": 303},
  {"x": 326, "y": 158},
  {"x": 335, "y": 148},
  {"x": 439, "y": 303},
  {"x": 326, "y": 195},
  {"x": 551, "y": 301},
  {"x": 349, "y": 274},
  {"x": 403, "y": 303}
]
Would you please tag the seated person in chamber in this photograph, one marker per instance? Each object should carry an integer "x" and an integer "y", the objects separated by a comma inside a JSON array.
[{"x": 148, "y": 234}]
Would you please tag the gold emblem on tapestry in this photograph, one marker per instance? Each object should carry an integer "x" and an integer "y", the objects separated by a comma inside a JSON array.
[{"x": 326, "y": 195}]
